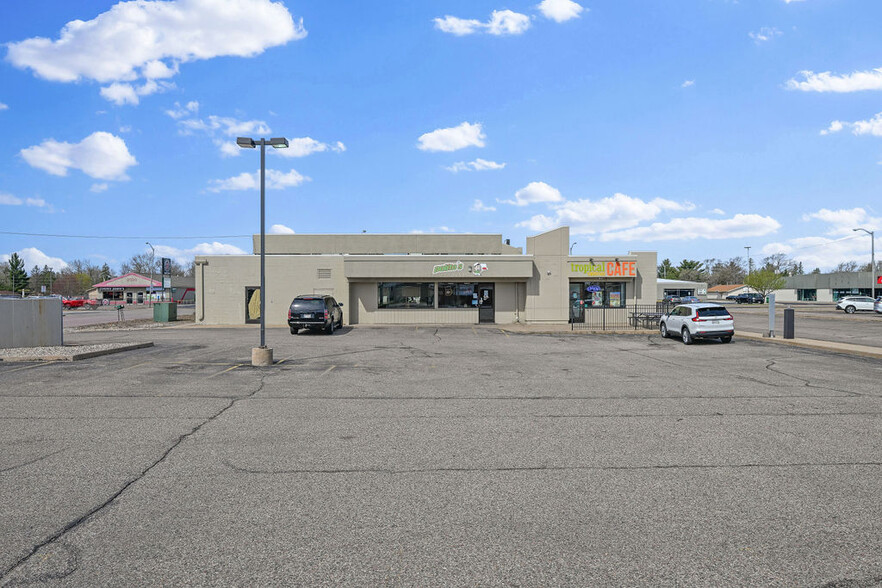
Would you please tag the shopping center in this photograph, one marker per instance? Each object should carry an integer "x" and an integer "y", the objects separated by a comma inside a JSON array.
[{"x": 423, "y": 279}]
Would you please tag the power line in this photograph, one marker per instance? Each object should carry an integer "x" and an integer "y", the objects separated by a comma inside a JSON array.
[{"x": 147, "y": 237}]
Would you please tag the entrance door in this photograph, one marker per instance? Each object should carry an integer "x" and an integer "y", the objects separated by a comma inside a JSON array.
[
  {"x": 486, "y": 308},
  {"x": 577, "y": 304},
  {"x": 128, "y": 297}
]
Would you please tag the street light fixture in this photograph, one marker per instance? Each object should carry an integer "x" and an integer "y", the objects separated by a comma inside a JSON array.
[
  {"x": 262, "y": 356},
  {"x": 152, "y": 262},
  {"x": 571, "y": 247},
  {"x": 872, "y": 235}
]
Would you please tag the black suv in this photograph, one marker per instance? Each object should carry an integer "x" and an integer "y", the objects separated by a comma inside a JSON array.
[
  {"x": 747, "y": 298},
  {"x": 316, "y": 312}
]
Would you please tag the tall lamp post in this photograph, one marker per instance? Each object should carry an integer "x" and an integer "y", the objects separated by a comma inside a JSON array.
[
  {"x": 748, "y": 262},
  {"x": 152, "y": 261},
  {"x": 872, "y": 235},
  {"x": 262, "y": 356}
]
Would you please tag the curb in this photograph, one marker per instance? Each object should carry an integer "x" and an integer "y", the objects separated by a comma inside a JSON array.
[
  {"x": 848, "y": 348},
  {"x": 77, "y": 356}
]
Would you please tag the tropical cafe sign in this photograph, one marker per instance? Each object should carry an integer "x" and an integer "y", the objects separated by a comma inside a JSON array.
[{"x": 605, "y": 269}]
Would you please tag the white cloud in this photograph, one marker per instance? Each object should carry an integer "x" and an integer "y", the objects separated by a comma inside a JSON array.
[
  {"x": 765, "y": 34},
  {"x": 228, "y": 148},
  {"x": 453, "y": 138},
  {"x": 872, "y": 126},
  {"x": 535, "y": 192},
  {"x": 842, "y": 243},
  {"x": 10, "y": 200},
  {"x": 842, "y": 221},
  {"x": 718, "y": 211},
  {"x": 275, "y": 180},
  {"x": 281, "y": 230},
  {"x": 620, "y": 211},
  {"x": 185, "y": 256},
  {"x": 32, "y": 256},
  {"x": 98, "y": 188},
  {"x": 441, "y": 229},
  {"x": 501, "y": 22},
  {"x": 682, "y": 229},
  {"x": 146, "y": 41},
  {"x": 3, "y": 106},
  {"x": 560, "y": 10},
  {"x": 225, "y": 125},
  {"x": 101, "y": 155},
  {"x": 687, "y": 84},
  {"x": 479, "y": 206},
  {"x": 827, "y": 82},
  {"x": 179, "y": 111},
  {"x": 476, "y": 165},
  {"x": 303, "y": 146}
]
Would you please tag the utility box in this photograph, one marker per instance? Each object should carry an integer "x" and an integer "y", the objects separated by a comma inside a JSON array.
[
  {"x": 164, "y": 312},
  {"x": 30, "y": 322},
  {"x": 788, "y": 323}
]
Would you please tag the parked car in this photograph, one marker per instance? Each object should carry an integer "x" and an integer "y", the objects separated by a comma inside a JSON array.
[
  {"x": 698, "y": 321},
  {"x": 851, "y": 304},
  {"x": 747, "y": 298},
  {"x": 69, "y": 303},
  {"x": 315, "y": 312},
  {"x": 689, "y": 299},
  {"x": 877, "y": 306},
  {"x": 670, "y": 298}
]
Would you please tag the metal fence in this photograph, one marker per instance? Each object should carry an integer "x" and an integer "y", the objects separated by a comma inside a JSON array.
[{"x": 620, "y": 318}]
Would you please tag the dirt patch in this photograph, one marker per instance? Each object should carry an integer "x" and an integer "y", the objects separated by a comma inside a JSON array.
[{"x": 134, "y": 324}]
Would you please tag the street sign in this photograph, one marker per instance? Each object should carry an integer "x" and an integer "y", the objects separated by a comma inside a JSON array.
[{"x": 166, "y": 266}]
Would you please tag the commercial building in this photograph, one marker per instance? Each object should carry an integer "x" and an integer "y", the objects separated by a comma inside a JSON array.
[
  {"x": 133, "y": 288},
  {"x": 828, "y": 287},
  {"x": 423, "y": 279},
  {"x": 679, "y": 288}
]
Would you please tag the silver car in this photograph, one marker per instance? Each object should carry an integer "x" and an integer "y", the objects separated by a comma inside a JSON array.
[
  {"x": 877, "y": 306},
  {"x": 850, "y": 304},
  {"x": 698, "y": 321}
]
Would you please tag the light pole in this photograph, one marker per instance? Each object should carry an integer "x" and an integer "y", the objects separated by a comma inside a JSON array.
[
  {"x": 571, "y": 247},
  {"x": 152, "y": 261},
  {"x": 872, "y": 235},
  {"x": 748, "y": 263},
  {"x": 262, "y": 356}
]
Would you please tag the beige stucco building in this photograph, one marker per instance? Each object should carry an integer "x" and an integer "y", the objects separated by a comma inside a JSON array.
[{"x": 423, "y": 279}]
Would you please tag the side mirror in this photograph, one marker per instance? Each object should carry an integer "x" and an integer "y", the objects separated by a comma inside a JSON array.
[{"x": 340, "y": 304}]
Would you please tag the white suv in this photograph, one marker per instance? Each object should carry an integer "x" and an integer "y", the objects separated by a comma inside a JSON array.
[
  {"x": 698, "y": 321},
  {"x": 852, "y": 303}
]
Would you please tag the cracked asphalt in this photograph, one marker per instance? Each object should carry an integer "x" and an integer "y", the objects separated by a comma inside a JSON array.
[{"x": 450, "y": 456}]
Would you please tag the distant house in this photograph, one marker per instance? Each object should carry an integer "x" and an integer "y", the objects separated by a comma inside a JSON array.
[
  {"x": 132, "y": 288},
  {"x": 679, "y": 288},
  {"x": 723, "y": 290}
]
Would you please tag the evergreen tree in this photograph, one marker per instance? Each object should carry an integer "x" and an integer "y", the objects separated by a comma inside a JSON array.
[
  {"x": 18, "y": 277},
  {"x": 106, "y": 273}
]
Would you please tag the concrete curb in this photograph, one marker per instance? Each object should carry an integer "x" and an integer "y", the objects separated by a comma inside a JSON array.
[
  {"x": 835, "y": 347},
  {"x": 77, "y": 356}
]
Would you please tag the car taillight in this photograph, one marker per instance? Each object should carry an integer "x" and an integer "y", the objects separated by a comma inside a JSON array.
[
  {"x": 326, "y": 315},
  {"x": 697, "y": 319},
  {"x": 289, "y": 313}
]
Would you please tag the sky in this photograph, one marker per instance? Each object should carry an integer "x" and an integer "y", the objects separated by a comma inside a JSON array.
[{"x": 693, "y": 128}]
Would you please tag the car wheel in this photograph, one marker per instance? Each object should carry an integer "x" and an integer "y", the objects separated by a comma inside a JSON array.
[
  {"x": 663, "y": 329},
  {"x": 294, "y": 330},
  {"x": 726, "y": 339},
  {"x": 330, "y": 328},
  {"x": 687, "y": 336},
  {"x": 849, "y": 309}
]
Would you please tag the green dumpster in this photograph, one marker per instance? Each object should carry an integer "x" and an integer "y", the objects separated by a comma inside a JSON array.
[{"x": 164, "y": 312}]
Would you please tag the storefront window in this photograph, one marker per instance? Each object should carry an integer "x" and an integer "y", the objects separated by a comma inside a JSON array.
[
  {"x": 843, "y": 292},
  {"x": 598, "y": 294},
  {"x": 807, "y": 294},
  {"x": 406, "y": 295},
  {"x": 457, "y": 295}
]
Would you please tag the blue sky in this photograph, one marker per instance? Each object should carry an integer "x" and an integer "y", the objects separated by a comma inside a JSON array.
[{"x": 693, "y": 128}]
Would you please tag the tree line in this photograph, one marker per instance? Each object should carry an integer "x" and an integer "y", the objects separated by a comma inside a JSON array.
[
  {"x": 78, "y": 277},
  {"x": 735, "y": 270}
]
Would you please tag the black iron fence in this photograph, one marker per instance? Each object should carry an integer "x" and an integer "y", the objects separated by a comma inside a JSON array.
[{"x": 619, "y": 318}]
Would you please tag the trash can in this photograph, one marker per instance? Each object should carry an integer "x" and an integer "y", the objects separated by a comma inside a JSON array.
[
  {"x": 788, "y": 323},
  {"x": 164, "y": 312}
]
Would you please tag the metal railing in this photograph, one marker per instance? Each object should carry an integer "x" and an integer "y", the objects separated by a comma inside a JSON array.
[{"x": 619, "y": 318}]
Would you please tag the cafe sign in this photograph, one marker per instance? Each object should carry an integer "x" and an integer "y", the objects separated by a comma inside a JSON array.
[
  {"x": 605, "y": 269},
  {"x": 456, "y": 266}
]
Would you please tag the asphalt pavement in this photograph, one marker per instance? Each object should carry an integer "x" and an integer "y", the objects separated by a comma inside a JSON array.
[
  {"x": 441, "y": 456},
  {"x": 812, "y": 321}
]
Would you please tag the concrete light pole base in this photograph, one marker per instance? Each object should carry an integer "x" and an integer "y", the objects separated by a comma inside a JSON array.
[{"x": 261, "y": 356}]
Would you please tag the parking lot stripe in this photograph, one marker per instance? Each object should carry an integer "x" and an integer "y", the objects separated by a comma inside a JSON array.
[
  {"x": 27, "y": 367},
  {"x": 226, "y": 370}
]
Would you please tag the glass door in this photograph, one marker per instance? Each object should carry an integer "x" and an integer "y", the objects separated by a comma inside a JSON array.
[{"x": 486, "y": 308}]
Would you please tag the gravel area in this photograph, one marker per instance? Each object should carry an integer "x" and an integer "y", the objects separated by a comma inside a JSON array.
[
  {"x": 67, "y": 352},
  {"x": 131, "y": 325}
]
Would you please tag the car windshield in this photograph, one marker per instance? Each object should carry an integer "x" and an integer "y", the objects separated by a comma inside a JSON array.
[
  {"x": 713, "y": 311},
  {"x": 313, "y": 305}
]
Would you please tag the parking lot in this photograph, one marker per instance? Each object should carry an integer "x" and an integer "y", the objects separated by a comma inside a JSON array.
[{"x": 448, "y": 456}]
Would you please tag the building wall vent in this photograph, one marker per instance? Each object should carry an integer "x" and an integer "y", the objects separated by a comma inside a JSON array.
[{"x": 323, "y": 273}]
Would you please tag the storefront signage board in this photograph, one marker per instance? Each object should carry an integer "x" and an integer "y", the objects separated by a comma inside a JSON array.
[{"x": 605, "y": 269}]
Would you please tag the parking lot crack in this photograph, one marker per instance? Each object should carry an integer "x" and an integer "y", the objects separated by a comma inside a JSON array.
[
  {"x": 771, "y": 366},
  {"x": 74, "y": 524}
]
